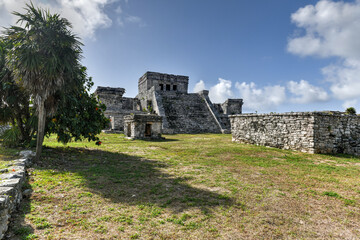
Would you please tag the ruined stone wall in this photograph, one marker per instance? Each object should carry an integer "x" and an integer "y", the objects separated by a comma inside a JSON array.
[
  {"x": 11, "y": 194},
  {"x": 286, "y": 131},
  {"x": 163, "y": 82},
  {"x": 232, "y": 106},
  {"x": 135, "y": 126},
  {"x": 312, "y": 132},
  {"x": 111, "y": 97},
  {"x": 337, "y": 133},
  {"x": 117, "y": 106}
]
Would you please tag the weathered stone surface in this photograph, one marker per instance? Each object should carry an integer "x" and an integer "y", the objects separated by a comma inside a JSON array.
[
  {"x": 25, "y": 154},
  {"x": 10, "y": 191},
  {"x": 117, "y": 106},
  {"x": 143, "y": 126},
  {"x": 163, "y": 82},
  {"x": 312, "y": 132},
  {"x": 4, "y": 202},
  {"x": 167, "y": 95},
  {"x": 10, "y": 182}
]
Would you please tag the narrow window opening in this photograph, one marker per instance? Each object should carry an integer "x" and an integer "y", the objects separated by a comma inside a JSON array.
[
  {"x": 161, "y": 87},
  {"x": 175, "y": 87},
  {"x": 167, "y": 87}
]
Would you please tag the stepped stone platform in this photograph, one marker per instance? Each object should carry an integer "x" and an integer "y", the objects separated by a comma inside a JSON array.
[{"x": 166, "y": 95}]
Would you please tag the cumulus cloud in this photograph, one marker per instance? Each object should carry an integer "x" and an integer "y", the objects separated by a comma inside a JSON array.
[
  {"x": 221, "y": 91},
  {"x": 199, "y": 86},
  {"x": 86, "y": 15},
  {"x": 304, "y": 92},
  {"x": 332, "y": 29},
  {"x": 265, "y": 98},
  {"x": 350, "y": 103},
  {"x": 259, "y": 99},
  {"x": 345, "y": 79}
]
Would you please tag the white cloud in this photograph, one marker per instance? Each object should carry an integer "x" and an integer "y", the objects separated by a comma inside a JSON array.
[
  {"x": 199, "y": 86},
  {"x": 266, "y": 98},
  {"x": 259, "y": 99},
  {"x": 86, "y": 15},
  {"x": 332, "y": 29},
  {"x": 304, "y": 92},
  {"x": 350, "y": 103},
  {"x": 345, "y": 79},
  {"x": 221, "y": 91}
]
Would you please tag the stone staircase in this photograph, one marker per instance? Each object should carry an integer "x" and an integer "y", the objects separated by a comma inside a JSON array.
[{"x": 188, "y": 113}]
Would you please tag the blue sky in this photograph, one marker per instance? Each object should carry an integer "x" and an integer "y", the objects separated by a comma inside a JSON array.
[{"x": 278, "y": 55}]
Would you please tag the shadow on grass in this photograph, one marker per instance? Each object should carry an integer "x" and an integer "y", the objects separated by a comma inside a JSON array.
[{"x": 130, "y": 179}]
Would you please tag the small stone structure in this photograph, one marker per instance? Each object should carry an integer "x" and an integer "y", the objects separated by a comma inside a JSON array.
[
  {"x": 167, "y": 95},
  {"x": 143, "y": 126},
  {"x": 312, "y": 132}
]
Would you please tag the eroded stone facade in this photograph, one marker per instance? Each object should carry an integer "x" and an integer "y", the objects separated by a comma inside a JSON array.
[
  {"x": 312, "y": 132},
  {"x": 166, "y": 95},
  {"x": 117, "y": 106},
  {"x": 143, "y": 126}
]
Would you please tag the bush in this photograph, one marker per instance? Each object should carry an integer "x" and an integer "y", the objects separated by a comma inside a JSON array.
[{"x": 350, "y": 111}]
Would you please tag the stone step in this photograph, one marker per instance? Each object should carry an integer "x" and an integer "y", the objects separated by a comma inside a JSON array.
[{"x": 188, "y": 113}]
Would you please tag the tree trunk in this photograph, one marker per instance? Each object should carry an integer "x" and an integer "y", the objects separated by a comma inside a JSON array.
[
  {"x": 41, "y": 128},
  {"x": 24, "y": 138}
]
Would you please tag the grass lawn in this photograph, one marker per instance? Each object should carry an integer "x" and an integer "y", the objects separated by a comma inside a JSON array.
[
  {"x": 6, "y": 156},
  {"x": 188, "y": 187}
]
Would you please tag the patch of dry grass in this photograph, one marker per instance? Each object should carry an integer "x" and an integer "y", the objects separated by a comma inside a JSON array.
[{"x": 188, "y": 187}]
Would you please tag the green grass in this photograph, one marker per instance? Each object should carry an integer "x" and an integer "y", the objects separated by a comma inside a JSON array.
[
  {"x": 188, "y": 187},
  {"x": 7, "y": 155}
]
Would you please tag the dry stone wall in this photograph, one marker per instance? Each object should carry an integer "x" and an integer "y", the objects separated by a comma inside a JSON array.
[
  {"x": 337, "y": 133},
  {"x": 312, "y": 132},
  {"x": 12, "y": 179}
]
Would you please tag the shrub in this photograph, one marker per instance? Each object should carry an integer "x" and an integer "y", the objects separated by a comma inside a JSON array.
[{"x": 350, "y": 111}]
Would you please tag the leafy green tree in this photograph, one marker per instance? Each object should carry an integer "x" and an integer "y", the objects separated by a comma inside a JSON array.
[
  {"x": 351, "y": 110},
  {"x": 79, "y": 115},
  {"x": 14, "y": 101},
  {"x": 44, "y": 57}
]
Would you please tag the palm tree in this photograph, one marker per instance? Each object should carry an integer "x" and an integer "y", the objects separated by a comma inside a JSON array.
[{"x": 44, "y": 57}]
